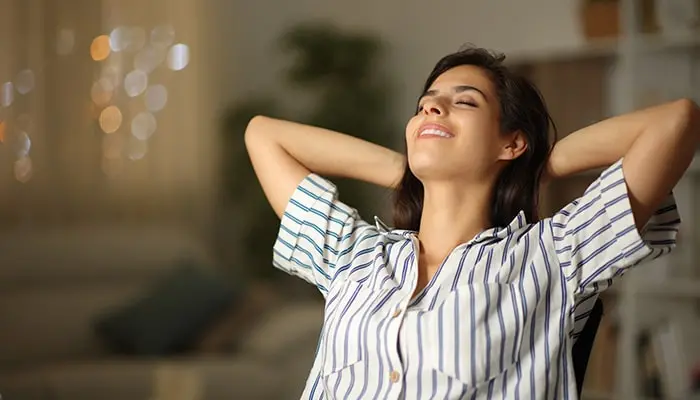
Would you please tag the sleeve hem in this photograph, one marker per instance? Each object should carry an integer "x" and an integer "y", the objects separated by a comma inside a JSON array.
[
  {"x": 636, "y": 245},
  {"x": 305, "y": 196}
]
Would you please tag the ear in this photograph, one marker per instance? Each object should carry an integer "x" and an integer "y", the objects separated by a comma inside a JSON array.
[{"x": 515, "y": 145}]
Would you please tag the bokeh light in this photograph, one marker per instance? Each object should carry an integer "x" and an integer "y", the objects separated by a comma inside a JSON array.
[
  {"x": 136, "y": 149},
  {"x": 23, "y": 169},
  {"x": 99, "y": 49},
  {"x": 149, "y": 58},
  {"x": 22, "y": 145},
  {"x": 136, "y": 39},
  {"x": 112, "y": 74},
  {"x": 110, "y": 119},
  {"x": 162, "y": 36},
  {"x": 178, "y": 57},
  {"x": 126, "y": 38},
  {"x": 156, "y": 97},
  {"x": 65, "y": 42},
  {"x": 143, "y": 125},
  {"x": 118, "y": 39},
  {"x": 24, "y": 81},
  {"x": 3, "y": 131},
  {"x": 7, "y": 94},
  {"x": 101, "y": 92},
  {"x": 135, "y": 83},
  {"x": 141, "y": 53}
]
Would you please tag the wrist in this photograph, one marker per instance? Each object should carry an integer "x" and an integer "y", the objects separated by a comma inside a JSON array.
[{"x": 553, "y": 168}]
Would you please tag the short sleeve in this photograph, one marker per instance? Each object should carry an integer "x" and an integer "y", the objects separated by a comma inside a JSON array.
[
  {"x": 316, "y": 232},
  {"x": 596, "y": 238}
]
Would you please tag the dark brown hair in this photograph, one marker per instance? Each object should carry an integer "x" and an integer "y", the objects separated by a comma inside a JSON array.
[{"x": 522, "y": 108}]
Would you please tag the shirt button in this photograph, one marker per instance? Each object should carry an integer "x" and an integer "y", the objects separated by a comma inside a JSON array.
[
  {"x": 394, "y": 376},
  {"x": 396, "y": 313}
]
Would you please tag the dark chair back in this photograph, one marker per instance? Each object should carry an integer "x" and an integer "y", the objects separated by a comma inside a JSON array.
[{"x": 584, "y": 345}]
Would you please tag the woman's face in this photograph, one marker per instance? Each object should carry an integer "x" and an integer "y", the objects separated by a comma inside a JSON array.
[{"x": 456, "y": 133}]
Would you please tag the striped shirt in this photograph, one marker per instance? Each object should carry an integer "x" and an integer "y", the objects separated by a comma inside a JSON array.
[{"x": 497, "y": 320}]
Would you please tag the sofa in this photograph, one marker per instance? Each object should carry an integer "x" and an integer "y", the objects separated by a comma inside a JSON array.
[{"x": 57, "y": 283}]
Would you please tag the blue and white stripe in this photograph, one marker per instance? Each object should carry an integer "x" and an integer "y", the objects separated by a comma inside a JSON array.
[{"x": 498, "y": 319}]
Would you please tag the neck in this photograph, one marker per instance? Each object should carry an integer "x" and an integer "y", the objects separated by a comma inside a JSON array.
[{"x": 453, "y": 214}]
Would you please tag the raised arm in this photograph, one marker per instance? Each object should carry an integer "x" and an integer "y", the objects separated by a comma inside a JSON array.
[
  {"x": 628, "y": 215},
  {"x": 319, "y": 236},
  {"x": 657, "y": 145},
  {"x": 283, "y": 153}
]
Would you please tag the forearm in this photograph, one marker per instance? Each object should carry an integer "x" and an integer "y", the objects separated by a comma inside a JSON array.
[
  {"x": 601, "y": 144},
  {"x": 331, "y": 153},
  {"x": 657, "y": 144}
]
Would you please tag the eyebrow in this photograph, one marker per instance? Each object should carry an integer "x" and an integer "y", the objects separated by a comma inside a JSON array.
[{"x": 458, "y": 89}]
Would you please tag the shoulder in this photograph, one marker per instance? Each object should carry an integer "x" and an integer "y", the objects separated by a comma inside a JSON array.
[
  {"x": 529, "y": 242},
  {"x": 518, "y": 233}
]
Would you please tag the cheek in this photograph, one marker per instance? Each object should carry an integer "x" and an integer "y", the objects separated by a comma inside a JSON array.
[
  {"x": 479, "y": 128},
  {"x": 411, "y": 127}
]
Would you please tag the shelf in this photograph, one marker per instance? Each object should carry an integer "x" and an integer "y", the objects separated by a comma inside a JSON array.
[
  {"x": 594, "y": 49},
  {"x": 603, "y": 48}
]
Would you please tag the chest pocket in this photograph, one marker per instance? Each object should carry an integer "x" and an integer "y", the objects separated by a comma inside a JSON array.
[
  {"x": 344, "y": 326},
  {"x": 475, "y": 332}
]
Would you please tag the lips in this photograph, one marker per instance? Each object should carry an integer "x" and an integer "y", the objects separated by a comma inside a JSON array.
[{"x": 435, "y": 130}]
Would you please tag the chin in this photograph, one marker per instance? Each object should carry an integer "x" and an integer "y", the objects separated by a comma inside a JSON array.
[{"x": 425, "y": 168}]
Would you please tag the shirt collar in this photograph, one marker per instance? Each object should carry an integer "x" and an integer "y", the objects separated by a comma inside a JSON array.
[
  {"x": 495, "y": 233},
  {"x": 391, "y": 233}
]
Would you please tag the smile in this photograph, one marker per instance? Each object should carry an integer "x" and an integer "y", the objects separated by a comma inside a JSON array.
[{"x": 434, "y": 132}]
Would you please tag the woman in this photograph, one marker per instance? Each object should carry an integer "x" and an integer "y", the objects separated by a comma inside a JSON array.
[{"x": 471, "y": 296}]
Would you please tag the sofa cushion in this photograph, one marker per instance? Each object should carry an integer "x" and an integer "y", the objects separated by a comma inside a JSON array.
[
  {"x": 236, "y": 323},
  {"x": 169, "y": 317},
  {"x": 282, "y": 329},
  {"x": 50, "y": 323}
]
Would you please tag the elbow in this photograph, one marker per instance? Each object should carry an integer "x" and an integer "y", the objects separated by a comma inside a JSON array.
[
  {"x": 254, "y": 130},
  {"x": 254, "y": 126},
  {"x": 688, "y": 109},
  {"x": 686, "y": 119}
]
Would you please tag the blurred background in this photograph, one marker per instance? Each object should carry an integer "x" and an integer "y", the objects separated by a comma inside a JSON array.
[{"x": 136, "y": 245}]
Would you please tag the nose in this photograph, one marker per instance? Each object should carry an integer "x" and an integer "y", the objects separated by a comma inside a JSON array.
[{"x": 433, "y": 107}]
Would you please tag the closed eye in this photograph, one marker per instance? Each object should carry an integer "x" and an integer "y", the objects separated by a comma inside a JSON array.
[{"x": 468, "y": 103}]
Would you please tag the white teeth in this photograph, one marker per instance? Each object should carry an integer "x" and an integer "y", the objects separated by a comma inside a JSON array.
[{"x": 436, "y": 132}]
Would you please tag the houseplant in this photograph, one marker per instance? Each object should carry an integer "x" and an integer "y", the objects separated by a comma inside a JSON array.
[{"x": 341, "y": 70}]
